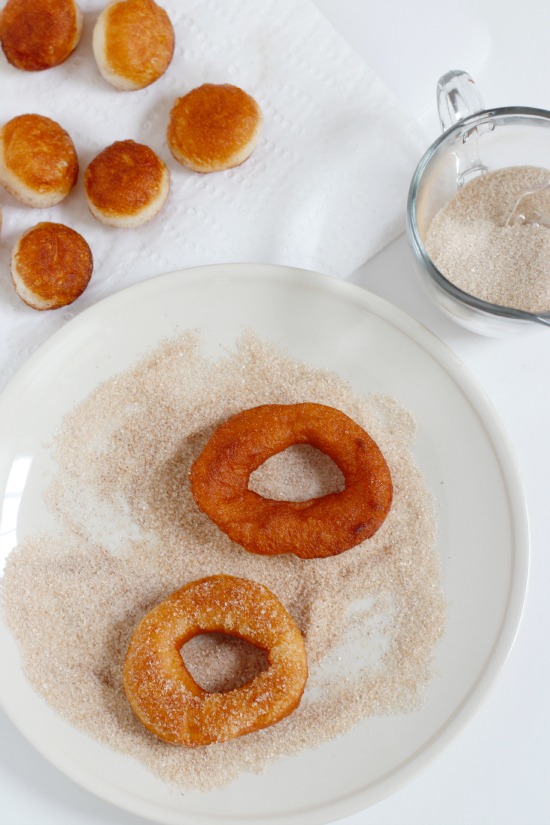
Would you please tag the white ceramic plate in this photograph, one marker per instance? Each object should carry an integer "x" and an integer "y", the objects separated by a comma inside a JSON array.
[{"x": 460, "y": 448}]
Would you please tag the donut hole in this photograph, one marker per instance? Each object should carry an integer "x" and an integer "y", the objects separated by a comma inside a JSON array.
[
  {"x": 219, "y": 662},
  {"x": 298, "y": 473}
]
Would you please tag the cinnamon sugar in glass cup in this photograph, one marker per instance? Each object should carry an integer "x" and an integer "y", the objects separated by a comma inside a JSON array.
[{"x": 475, "y": 140}]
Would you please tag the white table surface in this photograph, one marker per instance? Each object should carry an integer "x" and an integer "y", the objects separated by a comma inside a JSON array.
[{"x": 497, "y": 772}]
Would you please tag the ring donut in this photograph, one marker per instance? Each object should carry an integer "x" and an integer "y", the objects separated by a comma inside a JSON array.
[
  {"x": 319, "y": 527},
  {"x": 164, "y": 695}
]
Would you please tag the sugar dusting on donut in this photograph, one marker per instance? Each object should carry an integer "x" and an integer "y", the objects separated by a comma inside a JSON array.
[
  {"x": 128, "y": 534},
  {"x": 164, "y": 695}
]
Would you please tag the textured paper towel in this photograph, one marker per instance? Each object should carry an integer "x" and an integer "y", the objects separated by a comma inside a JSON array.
[{"x": 324, "y": 190}]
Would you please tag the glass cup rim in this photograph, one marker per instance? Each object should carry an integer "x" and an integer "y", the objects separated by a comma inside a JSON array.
[{"x": 412, "y": 225}]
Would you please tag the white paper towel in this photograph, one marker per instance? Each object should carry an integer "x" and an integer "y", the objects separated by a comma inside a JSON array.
[{"x": 325, "y": 188}]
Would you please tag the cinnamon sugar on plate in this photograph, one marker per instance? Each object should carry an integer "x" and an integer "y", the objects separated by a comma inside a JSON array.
[{"x": 129, "y": 534}]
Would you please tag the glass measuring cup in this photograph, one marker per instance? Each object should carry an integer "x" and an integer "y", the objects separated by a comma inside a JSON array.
[{"x": 475, "y": 140}]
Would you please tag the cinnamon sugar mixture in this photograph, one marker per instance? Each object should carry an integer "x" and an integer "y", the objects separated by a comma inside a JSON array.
[
  {"x": 472, "y": 245},
  {"x": 129, "y": 534}
]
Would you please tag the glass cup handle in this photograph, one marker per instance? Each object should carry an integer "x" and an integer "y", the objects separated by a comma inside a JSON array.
[{"x": 457, "y": 97}]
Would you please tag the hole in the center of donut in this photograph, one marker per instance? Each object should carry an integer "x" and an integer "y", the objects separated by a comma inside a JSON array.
[
  {"x": 298, "y": 473},
  {"x": 219, "y": 662}
]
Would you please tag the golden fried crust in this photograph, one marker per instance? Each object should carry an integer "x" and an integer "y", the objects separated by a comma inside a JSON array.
[
  {"x": 40, "y": 154},
  {"x": 124, "y": 178},
  {"x": 139, "y": 41},
  {"x": 164, "y": 695},
  {"x": 51, "y": 266},
  {"x": 39, "y": 34},
  {"x": 213, "y": 127},
  {"x": 319, "y": 527}
]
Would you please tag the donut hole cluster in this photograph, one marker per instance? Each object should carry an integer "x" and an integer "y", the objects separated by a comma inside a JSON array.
[{"x": 211, "y": 128}]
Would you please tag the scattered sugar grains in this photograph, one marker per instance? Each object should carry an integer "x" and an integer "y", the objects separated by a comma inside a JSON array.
[
  {"x": 506, "y": 265},
  {"x": 130, "y": 534}
]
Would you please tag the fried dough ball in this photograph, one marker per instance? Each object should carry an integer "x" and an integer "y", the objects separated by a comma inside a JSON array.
[
  {"x": 51, "y": 266},
  {"x": 39, "y": 34},
  {"x": 133, "y": 43},
  {"x": 126, "y": 184},
  {"x": 164, "y": 695},
  {"x": 214, "y": 127},
  {"x": 38, "y": 161},
  {"x": 316, "y": 528}
]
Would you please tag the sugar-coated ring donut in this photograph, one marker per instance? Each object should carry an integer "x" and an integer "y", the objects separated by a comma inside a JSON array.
[
  {"x": 164, "y": 695},
  {"x": 318, "y": 527}
]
